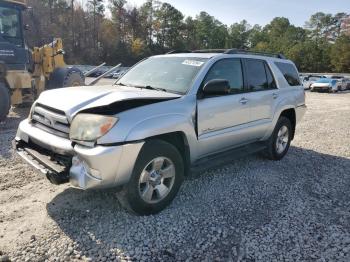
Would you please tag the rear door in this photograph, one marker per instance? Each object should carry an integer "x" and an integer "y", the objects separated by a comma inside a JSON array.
[
  {"x": 262, "y": 94},
  {"x": 221, "y": 118}
]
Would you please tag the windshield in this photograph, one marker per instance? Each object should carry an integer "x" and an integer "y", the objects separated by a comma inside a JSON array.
[
  {"x": 171, "y": 74},
  {"x": 325, "y": 80},
  {"x": 10, "y": 29},
  {"x": 313, "y": 78}
]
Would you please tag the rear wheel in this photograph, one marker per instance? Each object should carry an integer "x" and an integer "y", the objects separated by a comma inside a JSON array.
[
  {"x": 5, "y": 101},
  {"x": 156, "y": 179},
  {"x": 279, "y": 142}
]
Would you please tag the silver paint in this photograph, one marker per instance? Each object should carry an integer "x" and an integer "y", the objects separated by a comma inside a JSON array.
[{"x": 222, "y": 122}]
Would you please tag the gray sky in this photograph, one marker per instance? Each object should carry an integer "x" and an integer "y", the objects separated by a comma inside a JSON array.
[{"x": 258, "y": 11}]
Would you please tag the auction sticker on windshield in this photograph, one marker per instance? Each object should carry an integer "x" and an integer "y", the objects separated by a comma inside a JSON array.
[{"x": 192, "y": 63}]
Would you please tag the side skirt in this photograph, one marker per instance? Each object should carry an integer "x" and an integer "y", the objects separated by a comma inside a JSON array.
[{"x": 225, "y": 157}]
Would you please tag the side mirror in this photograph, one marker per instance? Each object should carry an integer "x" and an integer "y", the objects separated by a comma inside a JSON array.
[{"x": 216, "y": 87}]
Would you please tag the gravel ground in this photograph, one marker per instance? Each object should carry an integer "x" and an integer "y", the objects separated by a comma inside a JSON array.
[{"x": 249, "y": 209}]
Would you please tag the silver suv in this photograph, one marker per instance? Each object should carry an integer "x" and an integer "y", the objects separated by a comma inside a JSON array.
[{"x": 166, "y": 114}]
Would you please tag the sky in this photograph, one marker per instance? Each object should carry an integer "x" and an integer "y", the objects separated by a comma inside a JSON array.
[{"x": 257, "y": 11}]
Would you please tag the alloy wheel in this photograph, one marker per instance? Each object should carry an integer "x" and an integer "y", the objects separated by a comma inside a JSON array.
[{"x": 157, "y": 180}]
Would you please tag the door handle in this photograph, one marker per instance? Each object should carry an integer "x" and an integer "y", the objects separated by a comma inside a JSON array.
[
  {"x": 275, "y": 95},
  {"x": 243, "y": 101}
]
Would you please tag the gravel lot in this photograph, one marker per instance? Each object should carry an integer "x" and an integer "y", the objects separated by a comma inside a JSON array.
[{"x": 249, "y": 209}]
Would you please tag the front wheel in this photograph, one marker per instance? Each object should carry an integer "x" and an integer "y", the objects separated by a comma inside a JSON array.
[
  {"x": 5, "y": 102},
  {"x": 156, "y": 179},
  {"x": 279, "y": 142},
  {"x": 65, "y": 77}
]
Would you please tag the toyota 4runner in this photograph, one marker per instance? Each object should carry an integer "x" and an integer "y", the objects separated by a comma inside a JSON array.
[{"x": 166, "y": 114}]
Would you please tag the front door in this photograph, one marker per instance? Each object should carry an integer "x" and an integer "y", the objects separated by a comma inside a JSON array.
[{"x": 221, "y": 118}]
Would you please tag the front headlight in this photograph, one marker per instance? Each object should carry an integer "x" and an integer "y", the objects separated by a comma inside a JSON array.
[{"x": 90, "y": 127}]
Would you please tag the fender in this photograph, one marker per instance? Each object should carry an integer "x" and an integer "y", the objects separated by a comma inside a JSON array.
[
  {"x": 164, "y": 124},
  {"x": 280, "y": 107}
]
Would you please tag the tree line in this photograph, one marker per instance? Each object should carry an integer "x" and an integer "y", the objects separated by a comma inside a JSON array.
[{"x": 116, "y": 32}]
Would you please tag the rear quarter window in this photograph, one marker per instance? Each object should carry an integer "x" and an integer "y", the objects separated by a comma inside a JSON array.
[{"x": 289, "y": 72}]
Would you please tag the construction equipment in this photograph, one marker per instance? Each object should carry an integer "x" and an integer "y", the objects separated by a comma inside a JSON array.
[{"x": 24, "y": 74}]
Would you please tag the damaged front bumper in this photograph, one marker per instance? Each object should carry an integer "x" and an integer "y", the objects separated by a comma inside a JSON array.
[{"x": 83, "y": 167}]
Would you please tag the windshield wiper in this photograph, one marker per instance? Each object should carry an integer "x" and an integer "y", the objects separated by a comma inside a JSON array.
[
  {"x": 148, "y": 87},
  {"x": 121, "y": 84},
  {"x": 155, "y": 88}
]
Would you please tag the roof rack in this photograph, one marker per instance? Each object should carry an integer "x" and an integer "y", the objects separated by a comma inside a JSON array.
[
  {"x": 248, "y": 52},
  {"x": 210, "y": 51},
  {"x": 230, "y": 51},
  {"x": 178, "y": 52}
]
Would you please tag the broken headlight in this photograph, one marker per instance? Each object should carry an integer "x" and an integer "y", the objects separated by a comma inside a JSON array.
[{"x": 90, "y": 127}]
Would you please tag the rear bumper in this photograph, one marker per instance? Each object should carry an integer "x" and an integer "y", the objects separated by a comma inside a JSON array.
[{"x": 83, "y": 167}]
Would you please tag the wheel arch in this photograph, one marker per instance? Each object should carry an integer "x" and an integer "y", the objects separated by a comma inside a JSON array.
[
  {"x": 291, "y": 115},
  {"x": 288, "y": 111},
  {"x": 179, "y": 140}
]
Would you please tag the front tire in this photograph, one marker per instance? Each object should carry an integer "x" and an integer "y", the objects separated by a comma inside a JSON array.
[
  {"x": 66, "y": 77},
  {"x": 5, "y": 102},
  {"x": 156, "y": 179},
  {"x": 279, "y": 142}
]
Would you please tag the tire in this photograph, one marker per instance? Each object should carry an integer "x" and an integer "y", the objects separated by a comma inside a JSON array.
[
  {"x": 66, "y": 77},
  {"x": 5, "y": 102},
  {"x": 272, "y": 151},
  {"x": 131, "y": 195}
]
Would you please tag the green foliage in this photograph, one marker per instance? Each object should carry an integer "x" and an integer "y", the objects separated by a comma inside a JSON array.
[
  {"x": 130, "y": 33},
  {"x": 340, "y": 54},
  {"x": 321, "y": 24},
  {"x": 210, "y": 32},
  {"x": 239, "y": 35}
]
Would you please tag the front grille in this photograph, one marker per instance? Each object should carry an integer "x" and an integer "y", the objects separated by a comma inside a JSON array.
[{"x": 50, "y": 120}]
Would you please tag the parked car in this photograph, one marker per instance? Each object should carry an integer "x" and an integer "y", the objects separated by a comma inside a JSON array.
[
  {"x": 310, "y": 79},
  {"x": 325, "y": 85},
  {"x": 97, "y": 73},
  {"x": 347, "y": 83},
  {"x": 119, "y": 74},
  {"x": 166, "y": 114},
  {"x": 342, "y": 83}
]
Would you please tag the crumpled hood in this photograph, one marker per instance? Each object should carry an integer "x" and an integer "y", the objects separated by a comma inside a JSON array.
[{"x": 74, "y": 99}]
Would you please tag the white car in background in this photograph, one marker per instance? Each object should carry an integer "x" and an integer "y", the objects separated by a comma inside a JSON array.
[
  {"x": 342, "y": 83},
  {"x": 328, "y": 85},
  {"x": 311, "y": 79}
]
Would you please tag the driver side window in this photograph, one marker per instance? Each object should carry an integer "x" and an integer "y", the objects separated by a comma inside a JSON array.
[{"x": 230, "y": 70}]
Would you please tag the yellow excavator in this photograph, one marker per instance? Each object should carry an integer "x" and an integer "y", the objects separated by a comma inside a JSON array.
[{"x": 24, "y": 74}]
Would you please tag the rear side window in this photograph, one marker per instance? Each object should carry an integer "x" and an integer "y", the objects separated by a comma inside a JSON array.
[
  {"x": 259, "y": 76},
  {"x": 289, "y": 72}
]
